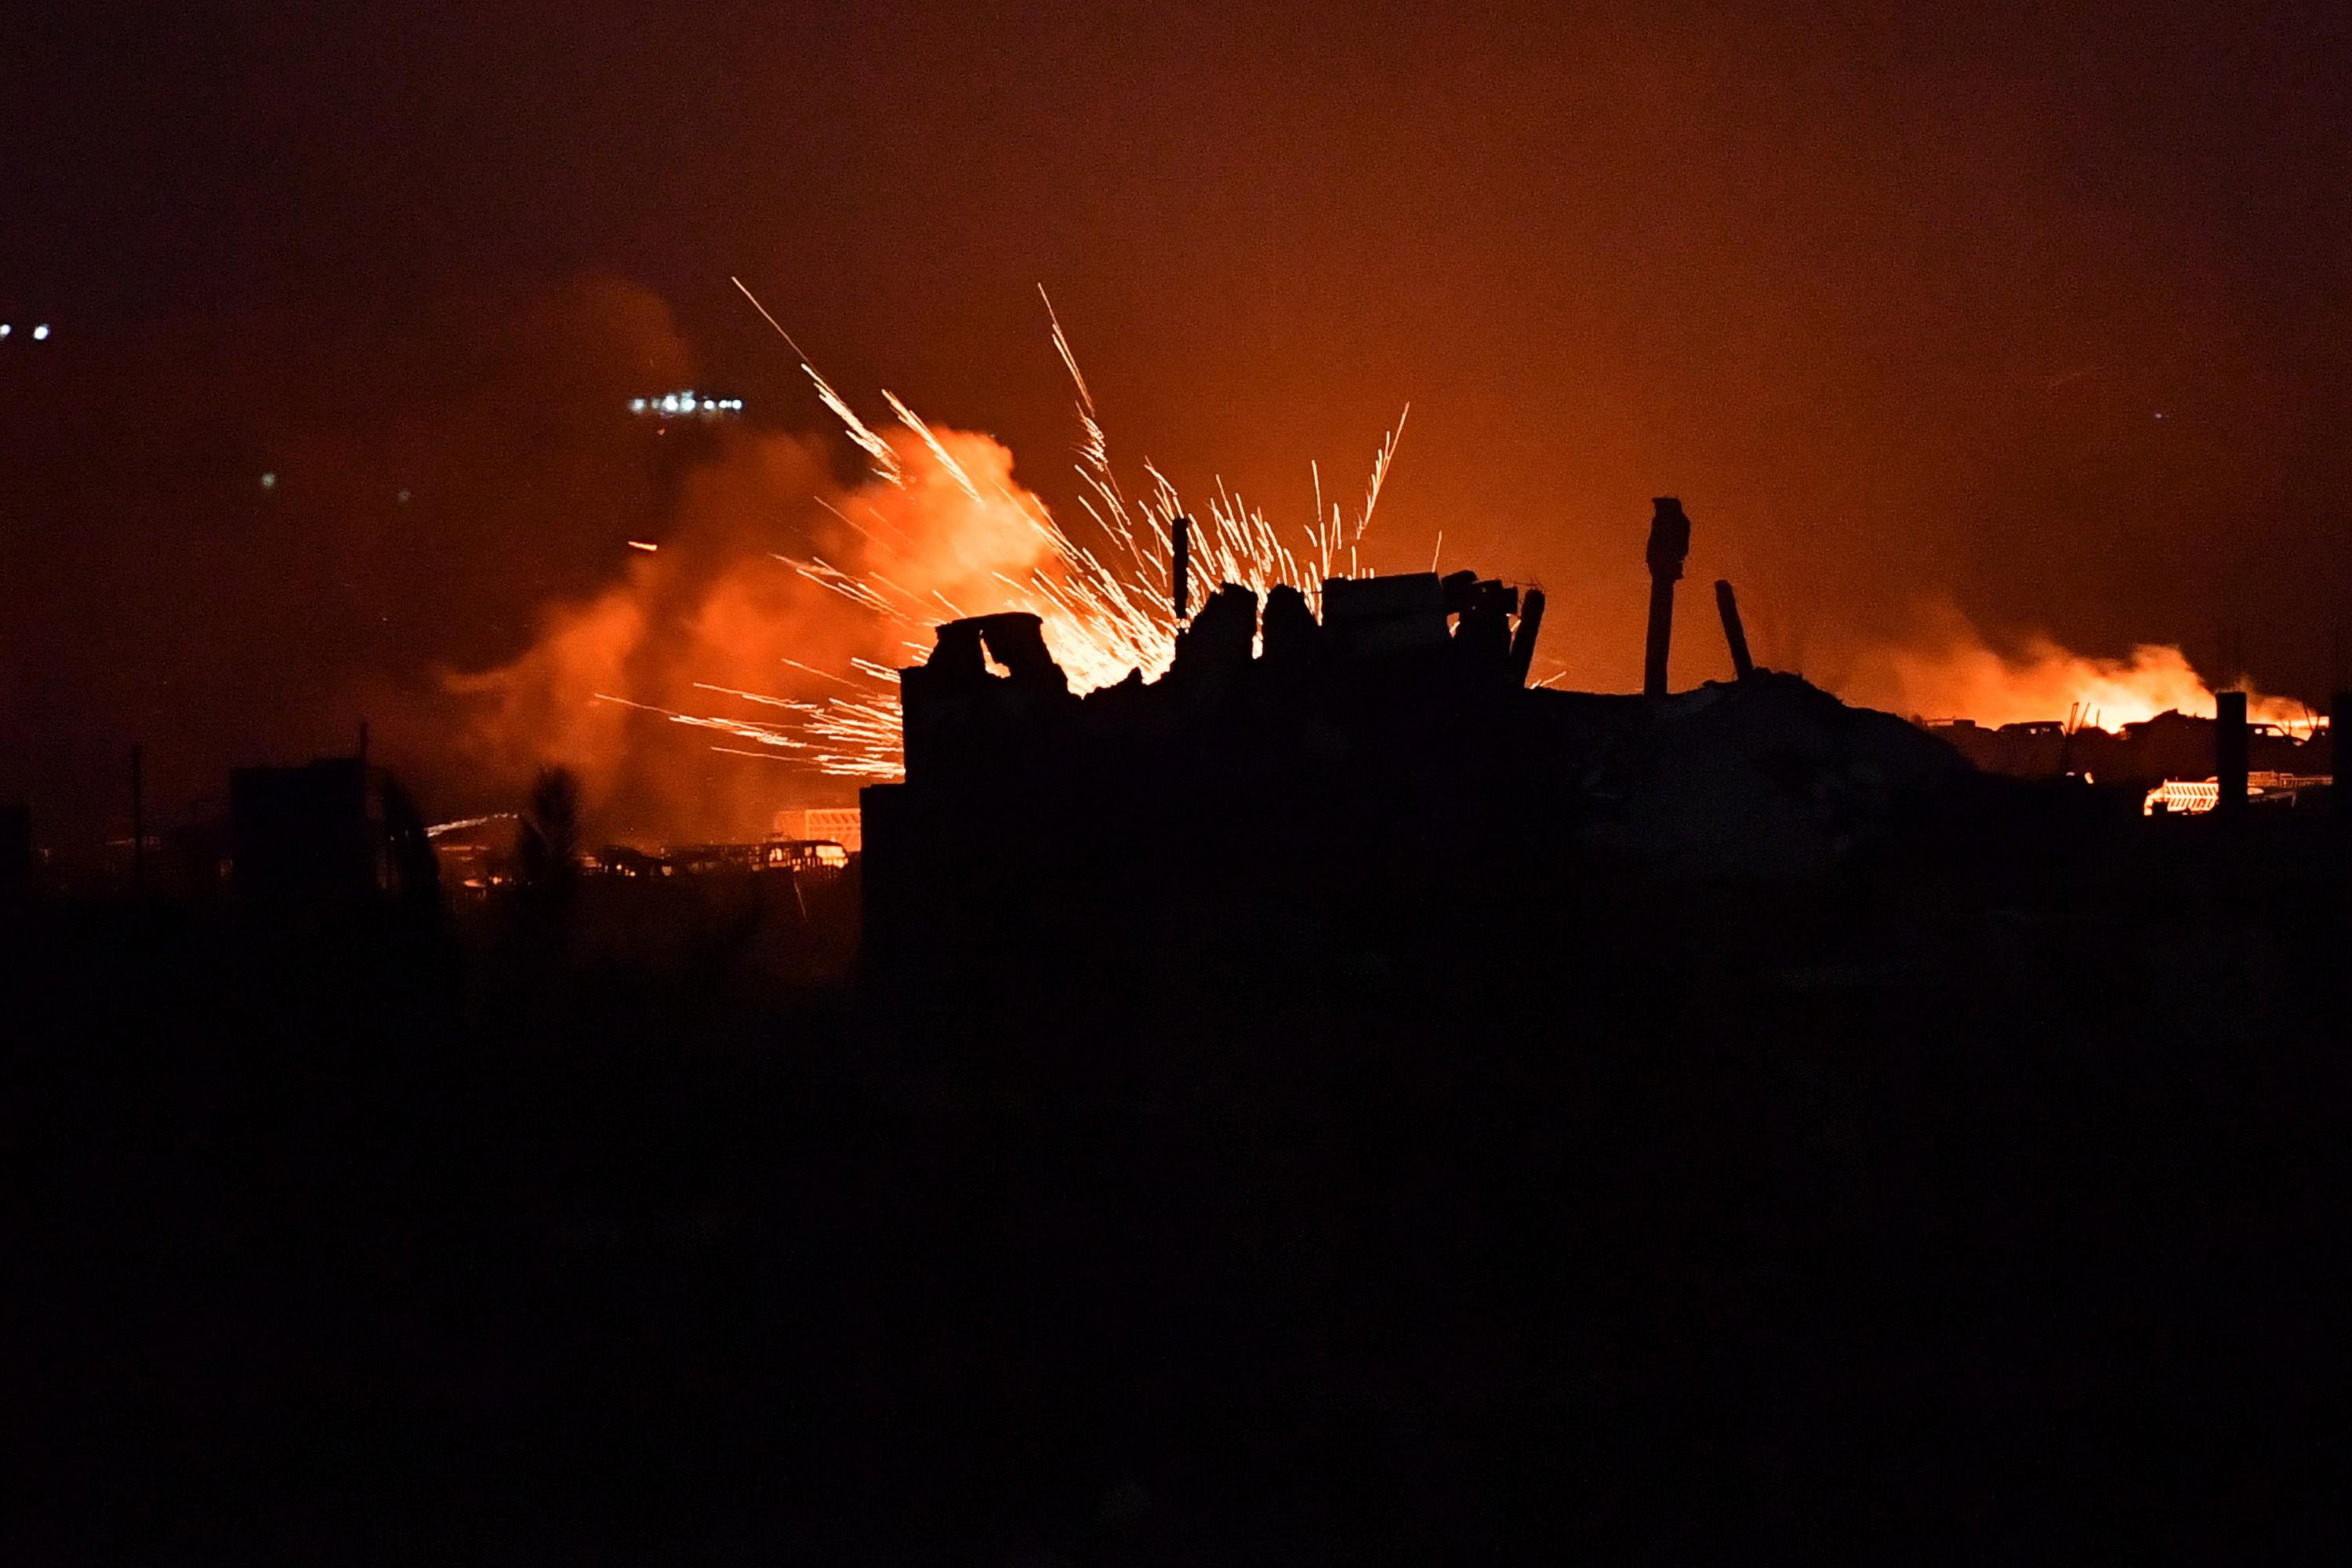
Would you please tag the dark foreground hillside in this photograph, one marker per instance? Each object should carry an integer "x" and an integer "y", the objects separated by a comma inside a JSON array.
[{"x": 1958, "y": 1203}]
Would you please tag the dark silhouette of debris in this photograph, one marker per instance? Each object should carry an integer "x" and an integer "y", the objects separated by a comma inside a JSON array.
[
  {"x": 1339, "y": 1105},
  {"x": 300, "y": 834},
  {"x": 1180, "y": 571},
  {"x": 1292, "y": 633},
  {"x": 1669, "y": 545},
  {"x": 1523, "y": 638},
  {"x": 2229, "y": 752},
  {"x": 546, "y": 843},
  {"x": 1735, "y": 635}
]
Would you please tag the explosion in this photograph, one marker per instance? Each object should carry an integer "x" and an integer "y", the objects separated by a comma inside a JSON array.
[{"x": 1108, "y": 610}]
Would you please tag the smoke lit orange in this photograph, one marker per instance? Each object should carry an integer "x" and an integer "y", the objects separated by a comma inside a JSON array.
[{"x": 1107, "y": 609}]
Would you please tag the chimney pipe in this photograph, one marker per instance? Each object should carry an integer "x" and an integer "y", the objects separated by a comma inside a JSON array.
[
  {"x": 2229, "y": 752},
  {"x": 1733, "y": 632},
  {"x": 1669, "y": 545}
]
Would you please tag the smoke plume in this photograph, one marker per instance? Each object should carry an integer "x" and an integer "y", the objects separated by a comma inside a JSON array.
[
  {"x": 712, "y": 613},
  {"x": 1947, "y": 670}
]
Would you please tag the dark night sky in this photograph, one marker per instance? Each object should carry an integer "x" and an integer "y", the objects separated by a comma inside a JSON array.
[{"x": 1891, "y": 301}]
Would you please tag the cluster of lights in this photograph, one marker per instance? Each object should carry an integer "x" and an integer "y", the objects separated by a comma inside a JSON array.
[
  {"x": 41, "y": 334},
  {"x": 686, "y": 402}
]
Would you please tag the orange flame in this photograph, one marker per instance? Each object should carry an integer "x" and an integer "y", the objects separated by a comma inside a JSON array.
[{"x": 1951, "y": 673}]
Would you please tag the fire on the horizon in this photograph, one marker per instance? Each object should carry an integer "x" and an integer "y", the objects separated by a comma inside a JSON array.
[{"x": 940, "y": 531}]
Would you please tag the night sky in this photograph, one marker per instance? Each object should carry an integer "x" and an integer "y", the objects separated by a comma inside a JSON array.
[{"x": 2046, "y": 321}]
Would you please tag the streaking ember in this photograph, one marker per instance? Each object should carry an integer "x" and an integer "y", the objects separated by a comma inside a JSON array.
[{"x": 1107, "y": 606}]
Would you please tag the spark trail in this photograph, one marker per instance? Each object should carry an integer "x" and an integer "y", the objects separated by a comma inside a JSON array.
[{"x": 1106, "y": 608}]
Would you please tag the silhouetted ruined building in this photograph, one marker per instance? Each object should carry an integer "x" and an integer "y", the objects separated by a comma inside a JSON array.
[
  {"x": 330, "y": 831},
  {"x": 2142, "y": 756},
  {"x": 1301, "y": 787},
  {"x": 301, "y": 832}
]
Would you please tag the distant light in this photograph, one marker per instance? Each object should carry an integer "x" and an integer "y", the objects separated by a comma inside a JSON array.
[
  {"x": 4, "y": 329},
  {"x": 401, "y": 497},
  {"x": 641, "y": 544},
  {"x": 686, "y": 401},
  {"x": 2160, "y": 414},
  {"x": 40, "y": 331}
]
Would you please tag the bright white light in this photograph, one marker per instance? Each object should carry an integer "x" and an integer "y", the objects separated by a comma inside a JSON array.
[
  {"x": 269, "y": 481},
  {"x": 4, "y": 328},
  {"x": 40, "y": 331},
  {"x": 686, "y": 402}
]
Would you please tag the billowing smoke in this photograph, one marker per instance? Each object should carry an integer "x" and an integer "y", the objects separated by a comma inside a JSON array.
[
  {"x": 304, "y": 518},
  {"x": 713, "y": 613},
  {"x": 1947, "y": 670}
]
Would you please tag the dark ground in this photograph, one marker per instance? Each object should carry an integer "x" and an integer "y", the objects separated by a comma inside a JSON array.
[{"x": 1961, "y": 1206}]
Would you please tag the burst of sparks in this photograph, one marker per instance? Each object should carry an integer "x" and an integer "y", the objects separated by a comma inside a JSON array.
[{"x": 1107, "y": 610}]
